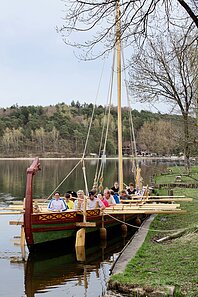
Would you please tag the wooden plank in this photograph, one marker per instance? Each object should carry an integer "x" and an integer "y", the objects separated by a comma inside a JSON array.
[
  {"x": 127, "y": 206},
  {"x": 11, "y": 212},
  {"x": 176, "y": 211},
  {"x": 156, "y": 196},
  {"x": 11, "y": 208},
  {"x": 85, "y": 224},
  {"x": 16, "y": 223},
  {"x": 170, "y": 200},
  {"x": 157, "y": 200},
  {"x": 80, "y": 239}
]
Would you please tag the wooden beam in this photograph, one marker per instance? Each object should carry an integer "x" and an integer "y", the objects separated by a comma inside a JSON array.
[
  {"x": 156, "y": 200},
  {"x": 143, "y": 211},
  {"x": 11, "y": 212},
  {"x": 86, "y": 224},
  {"x": 156, "y": 196},
  {"x": 80, "y": 238},
  {"x": 16, "y": 223}
]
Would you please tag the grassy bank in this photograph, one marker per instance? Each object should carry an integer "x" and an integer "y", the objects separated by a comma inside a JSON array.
[{"x": 169, "y": 263}]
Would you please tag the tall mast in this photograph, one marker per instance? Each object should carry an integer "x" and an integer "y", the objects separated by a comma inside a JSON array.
[{"x": 118, "y": 49}]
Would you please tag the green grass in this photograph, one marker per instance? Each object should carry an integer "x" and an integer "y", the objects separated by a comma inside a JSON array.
[
  {"x": 172, "y": 262},
  {"x": 178, "y": 170}
]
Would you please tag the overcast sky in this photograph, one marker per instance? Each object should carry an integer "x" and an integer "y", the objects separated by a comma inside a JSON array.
[{"x": 36, "y": 67}]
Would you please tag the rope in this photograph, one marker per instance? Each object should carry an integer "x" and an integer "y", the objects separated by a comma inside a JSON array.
[
  {"x": 85, "y": 178},
  {"x": 64, "y": 179},
  {"x": 130, "y": 111},
  {"x": 98, "y": 170},
  {"x": 138, "y": 227},
  {"x": 85, "y": 147},
  {"x": 132, "y": 132},
  {"x": 106, "y": 122}
]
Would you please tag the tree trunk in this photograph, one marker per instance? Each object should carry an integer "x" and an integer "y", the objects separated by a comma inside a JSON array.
[{"x": 186, "y": 142}]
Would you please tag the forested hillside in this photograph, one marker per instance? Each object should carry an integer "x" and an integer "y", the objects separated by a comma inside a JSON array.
[{"x": 61, "y": 131}]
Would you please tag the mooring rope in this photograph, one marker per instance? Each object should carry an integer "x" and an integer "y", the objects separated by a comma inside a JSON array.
[{"x": 147, "y": 229}]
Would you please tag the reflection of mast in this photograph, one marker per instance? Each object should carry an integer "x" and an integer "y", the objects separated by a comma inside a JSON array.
[
  {"x": 118, "y": 48},
  {"x": 85, "y": 279}
]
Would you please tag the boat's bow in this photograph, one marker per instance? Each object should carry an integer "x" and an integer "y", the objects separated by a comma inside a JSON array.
[{"x": 28, "y": 204}]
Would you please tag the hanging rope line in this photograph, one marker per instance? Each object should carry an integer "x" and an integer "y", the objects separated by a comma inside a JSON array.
[
  {"x": 86, "y": 142},
  {"x": 64, "y": 179},
  {"x": 100, "y": 169},
  {"x": 147, "y": 229},
  {"x": 133, "y": 139}
]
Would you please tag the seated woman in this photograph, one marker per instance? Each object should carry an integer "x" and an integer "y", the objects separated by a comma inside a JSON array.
[
  {"x": 131, "y": 190},
  {"x": 103, "y": 199},
  {"x": 78, "y": 204},
  {"x": 69, "y": 202},
  {"x": 57, "y": 203},
  {"x": 115, "y": 187}
]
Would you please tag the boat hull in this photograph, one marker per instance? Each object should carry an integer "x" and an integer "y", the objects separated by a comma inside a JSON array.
[{"x": 50, "y": 228}]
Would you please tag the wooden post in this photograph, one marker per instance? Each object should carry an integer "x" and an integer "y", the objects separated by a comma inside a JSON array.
[
  {"x": 80, "y": 238},
  {"x": 118, "y": 49},
  {"x": 103, "y": 230},
  {"x": 80, "y": 253},
  {"x": 22, "y": 242},
  {"x": 124, "y": 227}
]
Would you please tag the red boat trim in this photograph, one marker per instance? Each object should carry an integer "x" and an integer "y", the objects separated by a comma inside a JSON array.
[{"x": 53, "y": 228}]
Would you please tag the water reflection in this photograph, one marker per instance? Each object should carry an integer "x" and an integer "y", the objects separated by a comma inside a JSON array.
[
  {"x": 13, "y": 176},
  {"x": 58, "y": 274},
  {"x": 63, "y": 274}
]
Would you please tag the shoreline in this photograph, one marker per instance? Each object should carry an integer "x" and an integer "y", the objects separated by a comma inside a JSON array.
[
  {"x": 95, "y": 158},
  {"x": 154, "y": 269},
  {"x": 130, "y": 250}
]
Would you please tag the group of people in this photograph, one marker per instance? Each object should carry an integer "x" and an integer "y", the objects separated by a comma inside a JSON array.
[{"x": 76, "y": 201}]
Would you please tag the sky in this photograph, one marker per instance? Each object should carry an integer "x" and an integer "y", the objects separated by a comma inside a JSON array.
[{"x": 37, "y": 68}]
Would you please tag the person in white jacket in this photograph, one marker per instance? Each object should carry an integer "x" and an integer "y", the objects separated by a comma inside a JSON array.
[{"x": 57, "y": 203}]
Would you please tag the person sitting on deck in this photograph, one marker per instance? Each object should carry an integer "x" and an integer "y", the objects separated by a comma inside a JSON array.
[
  {"x": 78, "y": 204},
  {"x": 57, "y": 203},
  {"x": 94, "y": 202},
  {"x": 131, "y": 190},
  {"x": 115, "y": 188},
  {"x": 73, "y": 195},
  {"x": 69, "y": 202},
  {"x": 124, "y": 195},
  {"x": 109, "y": 197},
  {"x": 115, "y": 196},
  {"x": 103, "y": 199}
]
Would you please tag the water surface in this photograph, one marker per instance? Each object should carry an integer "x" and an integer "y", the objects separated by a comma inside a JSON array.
[{"x": 59, "y": 274}]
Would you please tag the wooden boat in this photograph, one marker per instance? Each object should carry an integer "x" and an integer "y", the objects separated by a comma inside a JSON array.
[
  {"x": 47, "y": 228},
  {"x": 50, "y": 227}
]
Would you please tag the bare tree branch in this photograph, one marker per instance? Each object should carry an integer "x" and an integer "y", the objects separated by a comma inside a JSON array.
[
  {"x": 185, "y": 5},
  {"x": 164, "y": 72},
  {"x": 95, "y": 19}
]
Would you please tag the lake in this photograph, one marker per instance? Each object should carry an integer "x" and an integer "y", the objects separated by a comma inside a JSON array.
[{"x": 58, "y": 274}]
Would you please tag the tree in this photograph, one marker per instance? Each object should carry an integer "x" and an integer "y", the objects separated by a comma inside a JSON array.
[
  {"x": 137, "y": 18},
  {"x": 11, "y": 139},
  {"x": 163, "y": 73},
  {"x": 162, "y": 137},
  {"x": 40, "y": 136}
]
